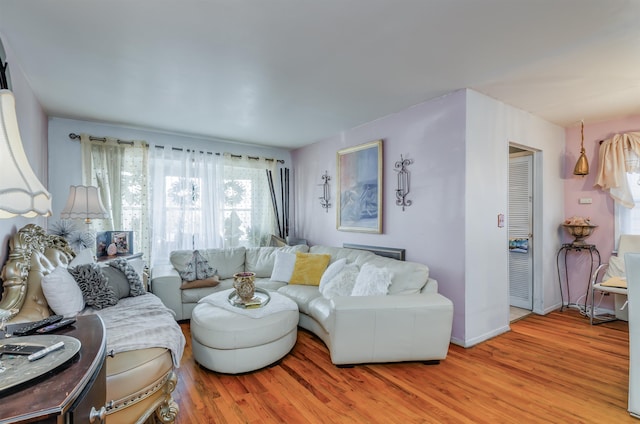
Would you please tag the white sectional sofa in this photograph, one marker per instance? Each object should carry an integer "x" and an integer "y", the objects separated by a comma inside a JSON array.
[{"x": 411, "y": 323}]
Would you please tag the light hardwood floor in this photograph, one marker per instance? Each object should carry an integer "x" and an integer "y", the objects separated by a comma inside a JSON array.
[{"x": 548, "y": 369}]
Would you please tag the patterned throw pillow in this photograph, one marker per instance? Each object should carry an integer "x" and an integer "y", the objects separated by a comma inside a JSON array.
[
  {"x": 93, "y": 284},
  {"x": 197, "y": 268}
]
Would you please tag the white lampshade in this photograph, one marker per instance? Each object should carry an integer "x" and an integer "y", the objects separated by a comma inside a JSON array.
[
  {"x": 21, "y": 193},
  {"x": 84, "y": 202}
]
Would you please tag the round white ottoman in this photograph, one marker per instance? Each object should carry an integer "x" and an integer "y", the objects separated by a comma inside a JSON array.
[{"x": 227, "y": 341}]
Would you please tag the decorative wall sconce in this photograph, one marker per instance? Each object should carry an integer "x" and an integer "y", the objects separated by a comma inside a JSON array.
[
  {"x": 403, "y": 182},
  {"x": 582, "y": 166},
  {"x": 324, "y": 199}
]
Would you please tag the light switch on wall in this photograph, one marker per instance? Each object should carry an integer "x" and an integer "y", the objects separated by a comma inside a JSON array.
[
  {"x": 585, "y": 200},
  {"x": 500, "y": 220}
]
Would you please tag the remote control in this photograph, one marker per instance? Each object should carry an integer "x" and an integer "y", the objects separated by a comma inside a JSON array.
[
  {"x": 20, "y": 349},
  {"x": 55, "y": 326},
  {"x": 31, "y": 327}
]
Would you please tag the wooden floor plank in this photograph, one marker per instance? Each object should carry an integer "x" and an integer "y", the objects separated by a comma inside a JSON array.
[{"x": 548, "y": 369}]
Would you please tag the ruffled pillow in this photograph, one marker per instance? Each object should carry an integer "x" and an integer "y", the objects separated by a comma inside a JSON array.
[{"x": 93, "y": 284}]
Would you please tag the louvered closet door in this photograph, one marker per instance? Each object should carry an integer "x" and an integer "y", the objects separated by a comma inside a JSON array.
[{"x": 520, "y": 232}]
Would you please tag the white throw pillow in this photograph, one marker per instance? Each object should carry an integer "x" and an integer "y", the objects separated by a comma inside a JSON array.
[
  {"x": 85, "y": 256},
  {"x": 615, "y": 269},
  {"x": 62, "y": 292},
  {"x": 283, "y": 266},
  {"x": 372, "y": 281},
  {"x": 342, "y": 283},
  {"x": 331, "y": 271}
]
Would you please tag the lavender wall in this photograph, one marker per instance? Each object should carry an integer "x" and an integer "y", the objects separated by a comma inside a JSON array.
[
  {"x": 432, "y": 229},
  {"x": 32, "y": 123},
  {"x": 459, "y": 184},
  {"x": 601, "y": 211}
]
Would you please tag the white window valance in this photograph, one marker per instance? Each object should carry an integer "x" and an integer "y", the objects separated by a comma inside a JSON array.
[{"x": 618, "y": 156}]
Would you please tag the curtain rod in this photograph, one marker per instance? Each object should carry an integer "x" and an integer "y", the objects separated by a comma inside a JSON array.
[
  {"x": 75, "y": 136},
  {"x": 180, "y": 149}
]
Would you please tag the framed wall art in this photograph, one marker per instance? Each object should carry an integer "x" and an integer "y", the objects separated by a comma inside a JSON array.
[{"x": 360, "y": 188}]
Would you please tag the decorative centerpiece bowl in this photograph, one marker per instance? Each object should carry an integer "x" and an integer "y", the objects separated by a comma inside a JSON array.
[
  {"x": 244, "y": 284},
  {"x": 579, "y": 232}
]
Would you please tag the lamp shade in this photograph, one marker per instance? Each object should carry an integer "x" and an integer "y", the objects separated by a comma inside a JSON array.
[
  {"x": 21, "y": 192},
  {"x": 84, "y": 202}
]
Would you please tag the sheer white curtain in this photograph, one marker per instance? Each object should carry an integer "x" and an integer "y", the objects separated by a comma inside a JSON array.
[
  {"x": 120, "y": 171},
  {"x": 186, "y": 201},
  {"x": 248, "y": 212}
]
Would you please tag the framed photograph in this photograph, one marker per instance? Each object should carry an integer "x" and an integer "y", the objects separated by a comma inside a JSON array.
[
  {"x": 123, "y": 240},
  {"x": 114, "y": 243},
  {"x": 360, "y": 188}
]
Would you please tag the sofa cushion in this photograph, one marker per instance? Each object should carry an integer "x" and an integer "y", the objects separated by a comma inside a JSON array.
[
  {"x": 62, "y": 292},
  {"x": 342, "y": 283},
  {"x": 372, "y": 281},
  {"x": 407, "y": 277},
  {"x": 261, "y": 260},
  {"x": 226, "y": 261},
  {"x": 300, "y": 294},
  {"x": 351, "y": 255},
  {"x": 283, "y": 266},
  {"x": 321, "y": 310},
  {"x": 309, "y": 268}
]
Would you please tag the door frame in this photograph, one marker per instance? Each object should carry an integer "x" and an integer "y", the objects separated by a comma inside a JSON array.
[{"x": 537, "y": 289}]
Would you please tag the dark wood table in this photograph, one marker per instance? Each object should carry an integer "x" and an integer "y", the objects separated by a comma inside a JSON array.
[{"x": 70, "y": 393}]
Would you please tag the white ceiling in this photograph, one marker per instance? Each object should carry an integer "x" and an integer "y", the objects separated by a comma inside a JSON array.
[{"x": 288, "y": 73}]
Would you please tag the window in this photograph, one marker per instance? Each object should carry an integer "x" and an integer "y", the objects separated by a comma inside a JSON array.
[
  {"x": 248, "y": 213},
  {"x": 184, "y": 201},
  {"x": 627, "y": 221},
  {"x": 119, "y": 170}
]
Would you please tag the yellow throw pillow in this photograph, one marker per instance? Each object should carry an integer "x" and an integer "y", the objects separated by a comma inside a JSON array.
[{"x": 309, "y": 268}]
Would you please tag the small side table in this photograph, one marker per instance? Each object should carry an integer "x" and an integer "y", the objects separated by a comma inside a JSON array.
[{"x": 579, "y": 248}]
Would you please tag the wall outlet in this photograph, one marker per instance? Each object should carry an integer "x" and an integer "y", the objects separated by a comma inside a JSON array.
[{"x": 585, "y": 200}]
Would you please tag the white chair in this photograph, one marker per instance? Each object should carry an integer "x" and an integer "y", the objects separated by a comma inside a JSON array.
[
  {"x": 632, "y": 265},
  {"x": 629, "y": 243}
]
